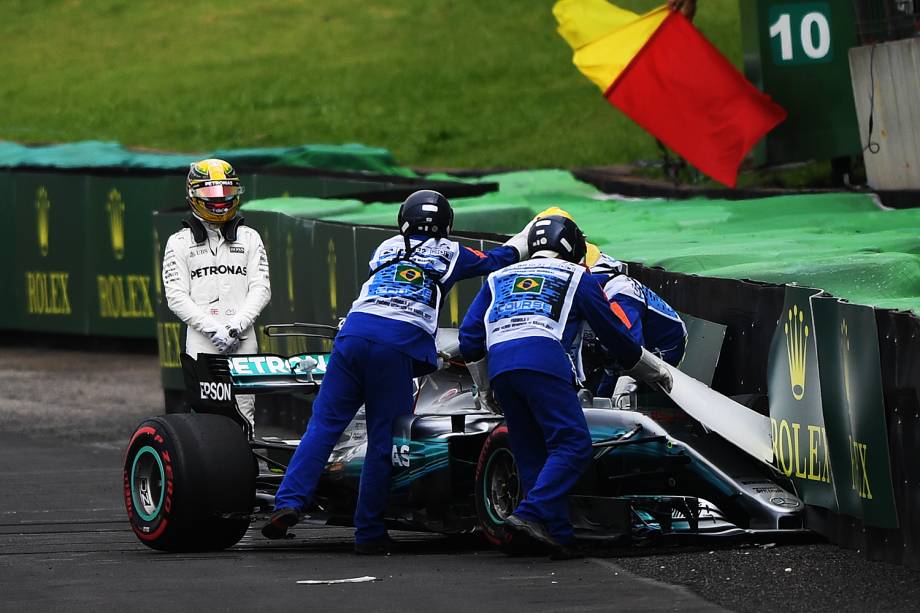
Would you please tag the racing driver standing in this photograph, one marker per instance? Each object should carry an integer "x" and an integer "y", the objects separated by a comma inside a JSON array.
[
  {"x": 387, "y": 339},
  {"x": 215, "y": 270}
]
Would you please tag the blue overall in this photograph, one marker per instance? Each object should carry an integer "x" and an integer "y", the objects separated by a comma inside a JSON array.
[
  {"x": 524, "y": 316},
  {"x": 387, "y": 339},
  {"x": 550, "y": 441},
  {"x": 648, "y": 319}
]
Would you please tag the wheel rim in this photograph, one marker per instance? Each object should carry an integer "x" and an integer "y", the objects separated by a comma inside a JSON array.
[
  {"x": 502, "y": 488},
  {"x": 147, "y": 477}
]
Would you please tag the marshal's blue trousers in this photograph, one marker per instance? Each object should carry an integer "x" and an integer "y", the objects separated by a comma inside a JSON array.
[
  {"x": 359, "y": 372},
  {"x": 550, "y": 441}
]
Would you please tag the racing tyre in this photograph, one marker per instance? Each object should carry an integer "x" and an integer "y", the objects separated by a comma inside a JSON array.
[
  {"x": 189, "y": 482},
  {"x": 498, "y": 488}
]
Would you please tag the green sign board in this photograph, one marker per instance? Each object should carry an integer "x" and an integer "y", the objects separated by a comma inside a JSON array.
[
  {"x": 800, "y": 33},
  {"x": 120, "y": 251},
  {"x": 50, "y": 220},
  {"x": 463, "y": 293},
  {"x": 827, "y": 406},
  {"x": 170, "y": 331},
  {"x": 800, "y": 442},
  {"x": 854, "y": 410},
  {"x": 332, "y": 264},
  {"x": 797, "y": 53}
]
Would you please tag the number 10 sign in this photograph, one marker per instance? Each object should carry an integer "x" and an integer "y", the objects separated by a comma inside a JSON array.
[{"x": 800, "y": 33}]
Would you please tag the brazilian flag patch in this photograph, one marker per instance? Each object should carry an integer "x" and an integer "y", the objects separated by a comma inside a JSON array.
[
  {"x": 530, "y": 285},
  {"x": 409, "y": 274}
]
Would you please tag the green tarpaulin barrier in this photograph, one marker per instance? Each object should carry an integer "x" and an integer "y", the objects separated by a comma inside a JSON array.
[
  {"x": 97, "y": 154},
  {"x": 841, "y": 242}
]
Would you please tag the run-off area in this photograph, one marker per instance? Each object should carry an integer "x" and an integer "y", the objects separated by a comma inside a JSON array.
[{"x": 66, "y": 415}]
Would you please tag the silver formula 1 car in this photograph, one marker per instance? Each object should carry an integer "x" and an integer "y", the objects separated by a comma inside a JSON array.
[{"x": 196, "y": 481}]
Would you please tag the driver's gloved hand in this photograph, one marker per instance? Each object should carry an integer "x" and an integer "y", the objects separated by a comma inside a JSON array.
[
  {"x": 239, "y": 325},
  {"x": 222, "y": 339}
]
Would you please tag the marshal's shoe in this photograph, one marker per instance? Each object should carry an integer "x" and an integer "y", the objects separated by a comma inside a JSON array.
[
  {"x": 378, "y": 547},
  {"x": 536, "y": 531},
  {"x": 277, "y": 525},
  {"x": 532, "y": 529}
]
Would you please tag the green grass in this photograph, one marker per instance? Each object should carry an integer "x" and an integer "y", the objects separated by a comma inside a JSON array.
[{"x": 477, "y": 83}]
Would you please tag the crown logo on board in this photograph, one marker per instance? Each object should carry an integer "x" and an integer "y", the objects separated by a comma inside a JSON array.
[
  {"x": 42, "y": 210},
  {"x": 115, "y": 206},
  {"x": 845, "y": 351},
  {"x": 797, "y": 332},
  {"x": 333, "y": 291}
]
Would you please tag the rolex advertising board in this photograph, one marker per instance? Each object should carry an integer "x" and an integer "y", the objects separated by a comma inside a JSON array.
[
  {"x": 296, "y": 281},
  {"x": 287, "y": 243},
  {"x": 267, "y": 225},
  {"x": 800, "y": 443},
  {"x": 170, "y": 331},
  {"x": 366, "y": 242},
  {"x": 332, "y": 266},
  {"x": 122, "y": 287},
  {"x": 854, "y": 410},
  {"x": 50, "y": 215}
]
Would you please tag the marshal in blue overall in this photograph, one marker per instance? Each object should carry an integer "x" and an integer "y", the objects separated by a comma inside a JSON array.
[
  {"x": 524, "y": 317},
  {"x": 386, "y": 340},
  {"x": 643, "y": 315}
]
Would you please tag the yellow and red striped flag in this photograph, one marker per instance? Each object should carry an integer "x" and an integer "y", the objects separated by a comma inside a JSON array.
[{"x": 662, "y": 72}]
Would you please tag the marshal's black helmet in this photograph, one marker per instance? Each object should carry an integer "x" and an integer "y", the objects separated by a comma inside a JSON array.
[
  {"x": 559, "y": 235},
  {"x": 426, "y": 213}
]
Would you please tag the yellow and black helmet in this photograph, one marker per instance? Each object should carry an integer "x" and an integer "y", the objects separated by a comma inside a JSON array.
[{"x": 213, "y": 190}]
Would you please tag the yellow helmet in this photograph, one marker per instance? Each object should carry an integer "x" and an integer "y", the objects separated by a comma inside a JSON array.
[
  {"x": 213, "y": 190},
  {"x": 593, "y": 255},
  {"x": 554, "y": 210}
]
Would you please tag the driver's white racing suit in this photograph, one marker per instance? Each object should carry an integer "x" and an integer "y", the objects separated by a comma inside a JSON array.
[{"x": 216, "y": 283}]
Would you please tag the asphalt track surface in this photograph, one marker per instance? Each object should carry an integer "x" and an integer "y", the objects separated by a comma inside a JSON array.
[{"x": 65, "y": 417}]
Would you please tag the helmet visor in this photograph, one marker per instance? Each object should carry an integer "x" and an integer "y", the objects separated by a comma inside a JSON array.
[{"x": 217, "y": 190}]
